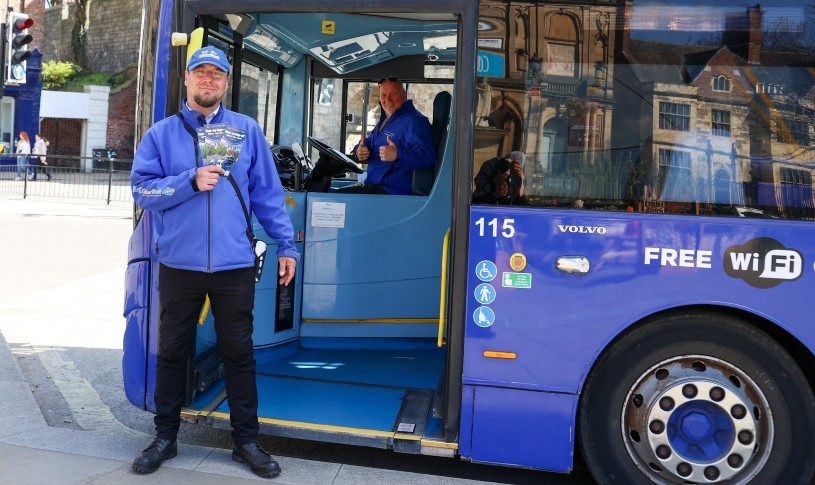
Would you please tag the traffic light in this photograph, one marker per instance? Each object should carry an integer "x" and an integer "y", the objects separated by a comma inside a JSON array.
[{"x": 17, "y": 52}]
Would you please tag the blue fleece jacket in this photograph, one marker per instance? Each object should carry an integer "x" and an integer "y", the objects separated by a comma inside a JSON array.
[
  {"x": 410, "y": 132},
  {"x": 206, "y": 231}
]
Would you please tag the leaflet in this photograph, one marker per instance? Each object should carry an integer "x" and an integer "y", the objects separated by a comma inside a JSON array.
[{"x": 220, "y": 145}]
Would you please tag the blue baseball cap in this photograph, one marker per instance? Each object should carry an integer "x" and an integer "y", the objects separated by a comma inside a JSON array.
[{"x": 209, "y": 55}]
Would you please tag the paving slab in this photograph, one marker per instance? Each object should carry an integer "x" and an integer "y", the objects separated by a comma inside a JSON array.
[
  {"x": 9, "y": 371},
  {"x": 20, "y": 411}
]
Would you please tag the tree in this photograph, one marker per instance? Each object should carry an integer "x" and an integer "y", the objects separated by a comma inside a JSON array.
[{"x": 79, "y": 32}]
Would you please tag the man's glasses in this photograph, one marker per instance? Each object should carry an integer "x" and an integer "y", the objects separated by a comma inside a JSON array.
[
  {"x": 216, "y": 75},
  {"x": 390, "y": 79}
]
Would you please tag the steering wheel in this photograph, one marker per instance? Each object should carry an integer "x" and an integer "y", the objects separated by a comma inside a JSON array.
[{"x": 341, "y": 162}]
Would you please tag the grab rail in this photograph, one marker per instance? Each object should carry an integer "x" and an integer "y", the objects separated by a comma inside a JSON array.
[{"x": 443, "y": 299}]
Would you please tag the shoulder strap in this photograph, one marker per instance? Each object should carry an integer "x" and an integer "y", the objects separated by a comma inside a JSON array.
[{"x": 249, "y": 232}]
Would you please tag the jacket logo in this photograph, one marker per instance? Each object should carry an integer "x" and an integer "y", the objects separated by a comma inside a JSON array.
[
  {"x": 582, "y": 229},
  {"x": 153, "y": 192},
  {"x": 763, "y": 263}
]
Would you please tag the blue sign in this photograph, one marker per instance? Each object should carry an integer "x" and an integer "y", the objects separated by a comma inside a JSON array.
[
  {"x": 490, "y": 64},
  {"x": 485, "y": 293},
  {"x": 486, "y": 270},
  {"x": 483, "y": 316}
]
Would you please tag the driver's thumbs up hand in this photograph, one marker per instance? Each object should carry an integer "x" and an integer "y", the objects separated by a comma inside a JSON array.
[
  {"x": 362, "y": 152},
  {"x": 388, "y": 153}
]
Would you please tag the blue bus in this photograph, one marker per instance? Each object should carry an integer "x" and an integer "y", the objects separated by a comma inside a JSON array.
[{"x": 612, "y": 256}]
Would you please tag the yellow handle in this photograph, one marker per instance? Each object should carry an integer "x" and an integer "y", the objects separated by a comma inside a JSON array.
[
  {"x": 192, "y": 41},
  {"x": 443, "y": 300},
  {"x": 196, "y": 39},
  {"x": 204, "y": 311}
]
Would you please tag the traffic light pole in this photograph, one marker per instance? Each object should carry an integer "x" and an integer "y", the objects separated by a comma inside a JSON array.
[
  {"x": 3, "y": 85},
  {"x": 4, "y": 48}
]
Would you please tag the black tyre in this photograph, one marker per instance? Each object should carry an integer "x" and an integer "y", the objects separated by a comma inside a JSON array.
[{"x": 698, "y": 398}]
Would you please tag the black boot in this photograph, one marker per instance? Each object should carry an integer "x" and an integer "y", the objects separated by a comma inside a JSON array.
[
  {"x": 258, "y": 460},
  {"x": 151, "y": 458}
]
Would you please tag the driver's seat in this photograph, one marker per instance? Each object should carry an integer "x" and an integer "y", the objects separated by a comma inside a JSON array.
[{"x": 423, "y": 178}]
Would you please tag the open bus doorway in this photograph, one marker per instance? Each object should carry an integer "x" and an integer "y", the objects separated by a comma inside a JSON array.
[{"x": 354, "y": 351}]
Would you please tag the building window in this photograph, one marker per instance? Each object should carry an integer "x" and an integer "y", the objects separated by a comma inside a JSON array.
[
  {"x": 799, "y": 132},
  {"x": 721, "y": 122},
  {"x": 674, "y": 181},
  {"x": 674, "y": 116},
  {"x": 795, "y": 176},
  {"x": 674, "y": 159},
  {"x": 762, "y": 88},
  {"x": 561, "y": 39},
  {"x": 721, "y": 83}
]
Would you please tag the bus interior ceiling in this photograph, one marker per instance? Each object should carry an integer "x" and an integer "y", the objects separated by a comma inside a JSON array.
[
  {"x": 364, "y": 366},
  {"x": 347, "y": 43}
]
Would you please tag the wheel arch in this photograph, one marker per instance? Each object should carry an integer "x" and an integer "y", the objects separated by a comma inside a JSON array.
[{"x": 803, "y": 357}]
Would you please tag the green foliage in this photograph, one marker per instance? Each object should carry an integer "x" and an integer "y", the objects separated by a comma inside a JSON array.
[
  {"x": 56, "y": 75},
  {"x": 96, "y": 79},
  {"x": 66, "y": 76}
]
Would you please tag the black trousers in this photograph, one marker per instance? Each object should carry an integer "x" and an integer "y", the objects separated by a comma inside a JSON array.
[{"x": 232, "y": 299}]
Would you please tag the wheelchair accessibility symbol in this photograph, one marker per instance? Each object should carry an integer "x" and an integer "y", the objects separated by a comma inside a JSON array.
[
  {"x": 483, "y": 316},
  {"x": 486, "y": 270}
]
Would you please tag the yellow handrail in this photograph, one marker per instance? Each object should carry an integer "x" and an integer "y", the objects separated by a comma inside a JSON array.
[
  {"x": 443, "y": 300},
  {"x": 204, "y": 311}
]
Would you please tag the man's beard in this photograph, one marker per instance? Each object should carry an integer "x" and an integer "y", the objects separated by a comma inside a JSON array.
[{"x": 205, "y": 102}]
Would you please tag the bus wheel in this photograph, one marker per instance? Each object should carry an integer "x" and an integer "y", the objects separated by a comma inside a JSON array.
[{"x": 698, "y": 399}]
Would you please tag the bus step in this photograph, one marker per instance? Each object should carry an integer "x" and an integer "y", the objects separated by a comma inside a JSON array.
[
  {"x": 410, "y": 424},
  {"x": 208, "y": 371}
]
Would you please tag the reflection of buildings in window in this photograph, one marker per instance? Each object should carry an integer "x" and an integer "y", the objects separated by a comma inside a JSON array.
[
  {"x": 798, "y": 133},
  {"x": 721, "y": 83},
  {"x": 721, "y": 122},
  {"x": 796, "y": 192},
  {"x": 674, "y": 116},
  {"x": 674, "y": 176},
  {"x": 796, "y": 176},
  {"x": 560, "y": 60},
  {"x": 561, "y": 46},
  {"x": 769, "y": 88}
]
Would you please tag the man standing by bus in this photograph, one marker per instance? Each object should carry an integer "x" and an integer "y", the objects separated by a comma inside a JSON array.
[
  {"x": 204, "y": 246},
  {"x": 399, "y": 144}
]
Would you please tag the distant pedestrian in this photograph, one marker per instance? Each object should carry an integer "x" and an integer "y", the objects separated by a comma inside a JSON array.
[
  {"x": 23, "y": 150},
  {"x": 41, "y": 148}
]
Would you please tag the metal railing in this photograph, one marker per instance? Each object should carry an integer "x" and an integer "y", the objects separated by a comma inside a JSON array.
[{"x": 105, "y": 179}]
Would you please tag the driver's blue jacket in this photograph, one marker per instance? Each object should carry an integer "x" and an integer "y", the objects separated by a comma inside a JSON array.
[
  {"x": 206, "y": 230},
  {"x": 410, "y": 132}
]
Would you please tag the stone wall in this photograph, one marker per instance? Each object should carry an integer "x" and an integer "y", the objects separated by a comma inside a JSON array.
[
  {"x": 57, "y": 43},
  {"x": 121, "y": 120},
  {"x": 113, "y": 35}
]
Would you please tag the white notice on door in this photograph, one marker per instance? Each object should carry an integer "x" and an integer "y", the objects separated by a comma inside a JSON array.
[{"x": 328, "y": 214}]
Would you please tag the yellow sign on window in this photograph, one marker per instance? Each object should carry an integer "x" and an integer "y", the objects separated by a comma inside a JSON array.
[{"x": 328, "y": 26}]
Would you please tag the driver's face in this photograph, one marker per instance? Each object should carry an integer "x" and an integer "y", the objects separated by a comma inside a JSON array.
[{"x": 391, "y": 96}]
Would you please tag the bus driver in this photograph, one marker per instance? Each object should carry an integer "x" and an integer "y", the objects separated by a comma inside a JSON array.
[{"x": 399, "y": 144}]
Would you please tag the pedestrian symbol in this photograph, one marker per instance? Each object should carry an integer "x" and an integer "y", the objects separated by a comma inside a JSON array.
[
  {"x": 483, "y": 316},
  {"x": 485, "y": 293},
  {"x": 486, "y": 270}
]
